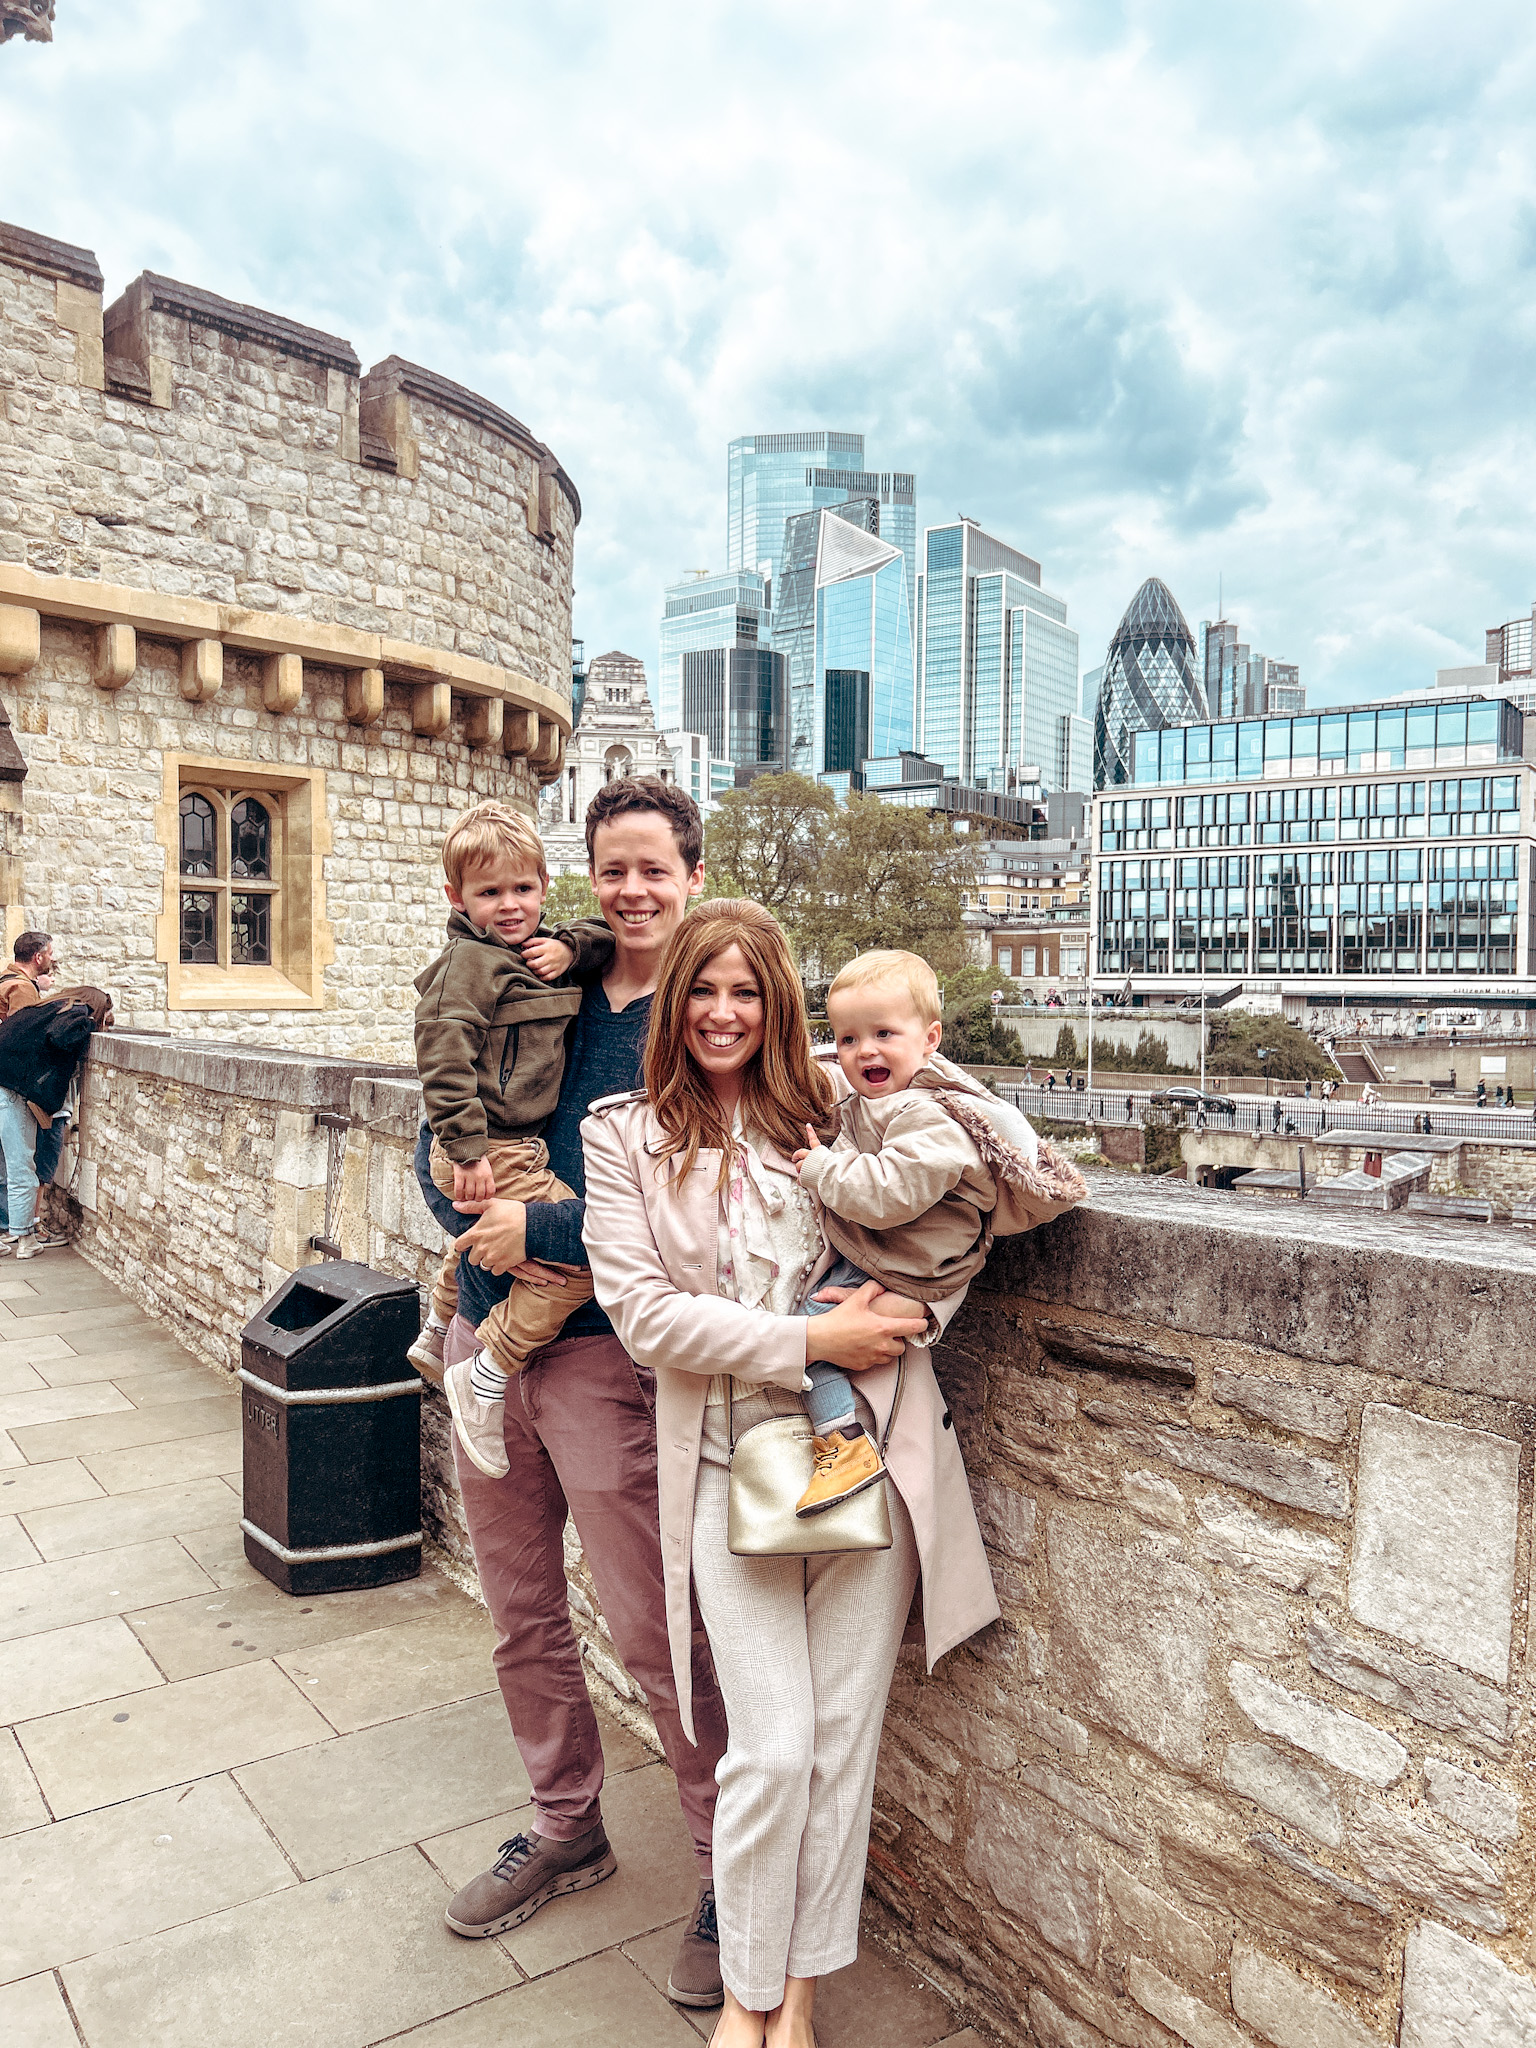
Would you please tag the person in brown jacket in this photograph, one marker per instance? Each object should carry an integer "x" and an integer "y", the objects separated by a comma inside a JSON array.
[
  {"x": 490, "y": 1049},
  {"x": 31, "y": 963},
  {"x": 927, "y": 1166}
]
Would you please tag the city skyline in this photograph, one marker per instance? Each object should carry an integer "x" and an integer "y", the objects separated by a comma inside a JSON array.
[{"x": 1316, "y": 392}]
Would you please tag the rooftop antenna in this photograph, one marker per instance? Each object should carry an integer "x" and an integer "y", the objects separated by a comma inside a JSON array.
[{"x": 1219, "y": 612}]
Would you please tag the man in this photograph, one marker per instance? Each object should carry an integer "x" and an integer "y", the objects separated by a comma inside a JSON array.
[
  {"x": 23, "y": 983},
  {"x": 580, "y": 1433}
]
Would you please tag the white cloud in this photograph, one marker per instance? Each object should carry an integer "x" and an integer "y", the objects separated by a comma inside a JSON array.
[{"x": 1149, "y": 289}]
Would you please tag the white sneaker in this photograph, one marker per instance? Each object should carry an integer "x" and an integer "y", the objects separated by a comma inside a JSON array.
[
  {"x": 8, "y": 1242},
  {"x": 479, "y": 1425},
  {"x": 29, "y": 1245}
]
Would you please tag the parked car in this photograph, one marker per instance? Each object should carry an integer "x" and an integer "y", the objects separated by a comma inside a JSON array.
[{"x": 1192, "y": 1098}]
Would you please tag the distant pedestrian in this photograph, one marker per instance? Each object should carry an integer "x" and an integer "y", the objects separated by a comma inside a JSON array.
[
  {"x": 1069, "y": 1080},
  {"x": 1130, "y": 1109},
  {"x": 1050, "y": 1082},
  {"x": 1082, "y": 1083},
  {"x": 1429, "y": 1129},
  {"x": 1277, "y": 1113},
  {"x": 1482, "y": 1094},
  {"x": 1309, "y": 1090},
  {"x": 1029, "y": 1075}
]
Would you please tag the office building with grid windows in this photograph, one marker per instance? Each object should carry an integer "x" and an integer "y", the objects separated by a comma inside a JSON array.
[
  {"x": 706, "y": 612},
  {"x": 1242, "y": 684},
  {"x": 1381, "y": 854},
  {"x": 997, "y": 665}
]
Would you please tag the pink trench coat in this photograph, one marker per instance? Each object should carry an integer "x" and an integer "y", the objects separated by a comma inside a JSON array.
[{"x": 652, "y": 1250}]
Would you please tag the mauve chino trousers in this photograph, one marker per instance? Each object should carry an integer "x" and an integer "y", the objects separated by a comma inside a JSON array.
[{"x": 581, "y": 1435}]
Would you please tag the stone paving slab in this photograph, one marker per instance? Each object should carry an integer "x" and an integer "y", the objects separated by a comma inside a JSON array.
[
  {"x": 16, "y": 1547},
  {"x": 18, "y": 1377},
  {"x": 152, "y": 1388},
  {"x": 33, "y": 2015},
  {"x": 595, "y": 2004},
  {"x": 57, "y": 1484},
  {"x": 10, "y": 1451},
  {"x": 21, "y": 1413},
  {"x": 359, "y": 1796},
  {"x": 345, "y": 1960},
  {"x": 141, "y": 1361},
  {"x": 21, "y": 1803},
  {"x": 128, "y": 1426},
  {"x": 186, "y": 1637},
  {"x": 110, "y": 1523},
  {"x": 145, "y": 1465},
  {"x": 44, "y": 1596},
  {"x": 92, "y": 1756},
  {"x": 391, "y": 1672},
  {"x": 73, "y": 1667},
  {"x": 90, "y": 1883}
]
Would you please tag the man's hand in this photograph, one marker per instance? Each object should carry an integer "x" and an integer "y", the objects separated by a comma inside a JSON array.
[
  {"x": 549, "y": 958},
  {"x": 498, "y": 1241},
  {"x": 799, "y": 1158},
  {"x": 473, "y": 1183}
]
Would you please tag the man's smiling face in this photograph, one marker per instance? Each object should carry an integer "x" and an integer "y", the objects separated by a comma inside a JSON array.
[{"x": 642, "y": 883}]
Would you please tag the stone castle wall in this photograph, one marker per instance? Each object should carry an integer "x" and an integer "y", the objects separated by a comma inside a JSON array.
[
  {"x": 1248, "y": 1762},
  {"x": 221, "y": 542}
]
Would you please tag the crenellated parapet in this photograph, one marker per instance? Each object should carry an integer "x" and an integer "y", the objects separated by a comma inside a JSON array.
[{"x": 228, "y": 553}]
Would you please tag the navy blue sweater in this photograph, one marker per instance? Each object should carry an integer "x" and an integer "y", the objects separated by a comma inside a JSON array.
[{"x": 605, "y": 1056}]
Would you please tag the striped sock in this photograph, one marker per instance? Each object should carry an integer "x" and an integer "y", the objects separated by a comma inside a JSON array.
[{"x": 487, "y": 1381}]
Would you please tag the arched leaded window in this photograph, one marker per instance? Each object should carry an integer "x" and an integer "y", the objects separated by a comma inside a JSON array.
[
  {"x": 230, "y": 844},
  {"x": 250, "y": 840},
  {"x": 199, "y": 837}
]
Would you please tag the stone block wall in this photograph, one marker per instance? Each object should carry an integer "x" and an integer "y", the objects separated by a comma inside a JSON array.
[
  {"x": 1248, "y": 1762},
  {"x": 222, "y": 545}
]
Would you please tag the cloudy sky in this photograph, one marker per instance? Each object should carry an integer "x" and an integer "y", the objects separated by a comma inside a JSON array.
[{"x": 1149, "y": 289}]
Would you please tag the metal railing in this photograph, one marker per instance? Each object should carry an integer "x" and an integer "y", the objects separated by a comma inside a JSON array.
[{"x": 1255, "y": 1114}]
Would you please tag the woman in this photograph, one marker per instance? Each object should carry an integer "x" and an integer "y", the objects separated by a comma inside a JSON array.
[
  {"x": 41, "y": 1048},
  {"x": 702, "y": 1243}
]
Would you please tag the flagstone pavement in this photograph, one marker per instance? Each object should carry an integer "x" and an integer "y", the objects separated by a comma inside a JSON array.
[{"x": 228, "y": 1816}]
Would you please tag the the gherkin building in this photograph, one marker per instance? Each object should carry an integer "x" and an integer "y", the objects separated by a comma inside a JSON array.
[{"x": 1150, "y": 681}]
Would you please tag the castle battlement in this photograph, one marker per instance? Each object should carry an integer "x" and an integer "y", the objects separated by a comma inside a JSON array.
[{"x": 237, "y": 568}]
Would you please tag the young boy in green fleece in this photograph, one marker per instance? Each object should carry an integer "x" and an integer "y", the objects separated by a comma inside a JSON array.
[{"x": 490, "y": 1050}]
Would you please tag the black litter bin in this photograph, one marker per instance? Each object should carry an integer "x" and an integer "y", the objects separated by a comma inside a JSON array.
[{"x": 332, "y": 1422}]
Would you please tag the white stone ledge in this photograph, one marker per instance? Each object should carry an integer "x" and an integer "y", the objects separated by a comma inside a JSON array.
[
  {"x": 277, "y": 633},
  {"x": 256, "y": 1074}
]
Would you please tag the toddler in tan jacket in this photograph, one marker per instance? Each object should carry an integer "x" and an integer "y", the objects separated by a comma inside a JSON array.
[{"x": 926, "y": 1168}]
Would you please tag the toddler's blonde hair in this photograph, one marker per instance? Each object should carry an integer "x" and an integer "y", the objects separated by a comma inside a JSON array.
[
  {"x": 890, "y": 969},
  {"x": 483, "y": 832}
]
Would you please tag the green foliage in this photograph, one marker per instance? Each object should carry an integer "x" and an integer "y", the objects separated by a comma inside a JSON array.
[
  {"x": 967, "y": 982},
  {"x": 1232, "y": 1047},
  {"x": 1065, "y": 1054},
  {"x": 842, "y": 878},
  {"x": 570, "y": 897},
  {"x": 1162, "y": 1127},
  {"x": 974, "y": 1037},
  {"x": 1149, "y": 1057}
]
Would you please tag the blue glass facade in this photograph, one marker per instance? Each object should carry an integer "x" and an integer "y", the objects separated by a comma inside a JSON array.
[
  {"x": 997, "y": 664},
  {"x": 706, "y": 611},
  {"x": 861, "y": 629},
  {"x": 1336, "y": 861},
  {"x": 768, "y": 482}
]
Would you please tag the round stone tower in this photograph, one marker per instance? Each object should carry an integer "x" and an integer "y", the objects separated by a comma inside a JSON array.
[{"x": 269, "y": 624}]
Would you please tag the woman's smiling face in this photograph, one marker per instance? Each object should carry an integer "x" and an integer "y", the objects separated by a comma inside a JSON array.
[{"x": 724, "y": 1027}]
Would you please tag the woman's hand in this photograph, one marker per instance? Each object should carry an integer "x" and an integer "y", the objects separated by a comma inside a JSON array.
[{"x": 853, "y": 1336}]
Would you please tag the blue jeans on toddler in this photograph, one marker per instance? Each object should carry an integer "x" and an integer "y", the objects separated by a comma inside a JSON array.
[{"x": 830, "y": 1400}]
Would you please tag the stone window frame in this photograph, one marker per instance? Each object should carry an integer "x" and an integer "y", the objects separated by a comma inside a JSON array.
[{"x": 303, "y": 944}]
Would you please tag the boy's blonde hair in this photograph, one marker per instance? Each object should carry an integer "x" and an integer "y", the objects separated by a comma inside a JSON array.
[
  {"x": 485, "y": 831},
  {"x": 899, "y": 970}
]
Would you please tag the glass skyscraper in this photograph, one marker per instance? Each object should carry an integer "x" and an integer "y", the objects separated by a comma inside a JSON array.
[
  {"x": 1150, "y": 682},
  {"x": 997, "y": 664},
  {"x": 843, "y": 626},
  {"x": 729, "y": 610},
  {"x": 774, "y": 478}
]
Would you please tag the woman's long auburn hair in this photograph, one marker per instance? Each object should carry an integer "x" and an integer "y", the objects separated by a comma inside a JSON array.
[{"x": 783, "y": 1088}]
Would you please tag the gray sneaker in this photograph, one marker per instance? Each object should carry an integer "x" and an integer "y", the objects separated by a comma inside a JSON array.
[
  {"x": 529, "y": 1871},
  {"x": 426, "y": 1354},
  {"x": 479, "y": 1425}
]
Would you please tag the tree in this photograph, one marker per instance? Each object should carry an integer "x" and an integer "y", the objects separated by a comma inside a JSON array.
[
  {"x": 570, "y": 897},
  {"x": 888, "y": 875},
  {"x": 975, "y": 1037},
  {"x": 971, "y": 980},
  {"x": 765, "y": 841},
  {"x": 1065, "y": 1054},
  {"x": 1234, "y": 1039}
]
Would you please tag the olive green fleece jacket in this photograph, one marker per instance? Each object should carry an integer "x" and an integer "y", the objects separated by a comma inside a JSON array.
[{"x": 490, "y": 1035}]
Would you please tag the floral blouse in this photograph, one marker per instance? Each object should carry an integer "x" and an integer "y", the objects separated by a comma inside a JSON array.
[{"x": 768, "y": 1240}]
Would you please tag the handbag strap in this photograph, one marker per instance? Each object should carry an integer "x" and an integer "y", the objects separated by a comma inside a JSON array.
[{"x": 885, "y": 1435}]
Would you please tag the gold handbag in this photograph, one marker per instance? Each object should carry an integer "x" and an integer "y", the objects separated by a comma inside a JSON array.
[{"x": 771, "y": 1466}]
